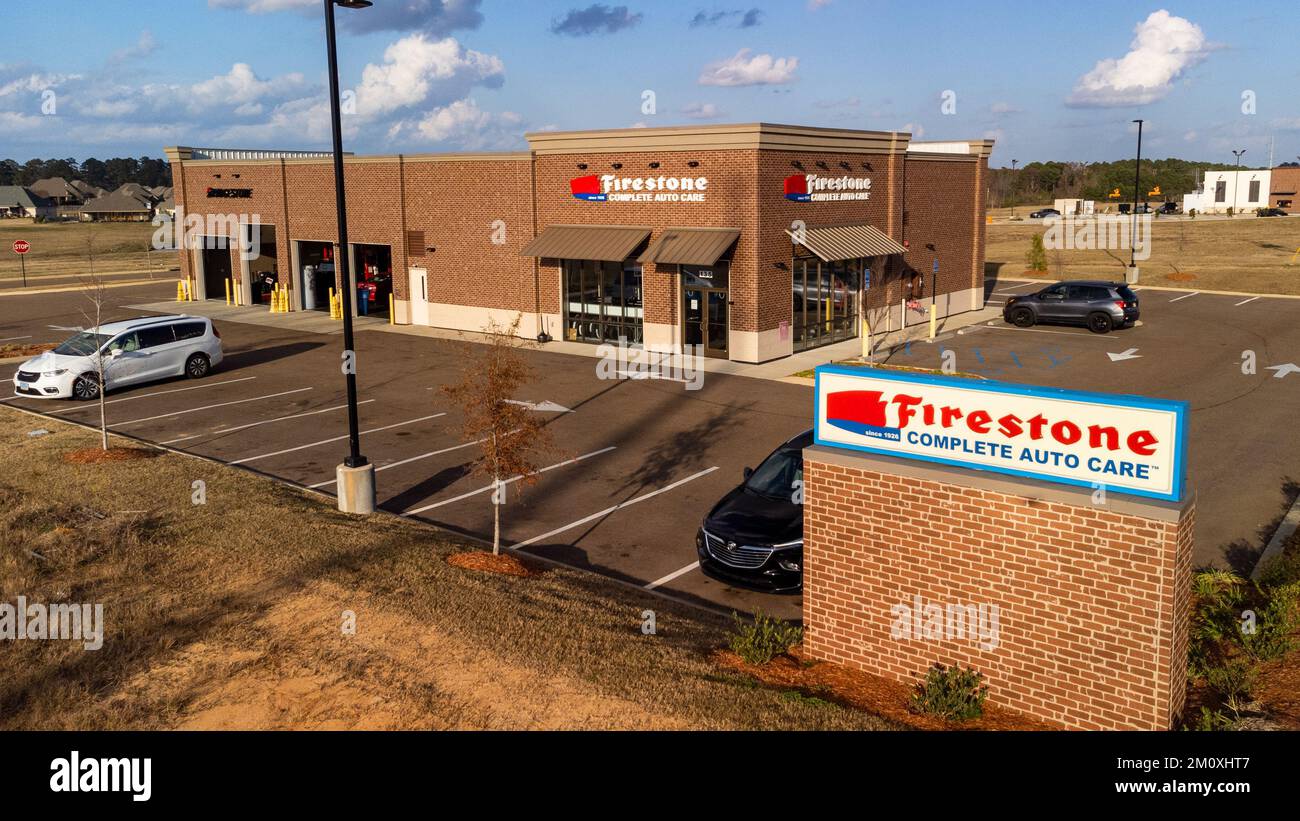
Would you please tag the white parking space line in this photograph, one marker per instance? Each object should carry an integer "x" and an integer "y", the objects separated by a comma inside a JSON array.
[
  {"x": 572, "y": 461},
  {"x": 210, "y": 407},
  {"x": 408, "y": 461},
  {"x": 687, "y": 569},
  {"x": 12, "y": 338},
  {"x": 333, "y": 439},
  {"x": 1184, "y": 296},
  {"x": 90, "y": 405},
  {"x": 618, "y": 506},
  {"x": 1244, "y": 301},
  {"x": 216, "y": 431}
]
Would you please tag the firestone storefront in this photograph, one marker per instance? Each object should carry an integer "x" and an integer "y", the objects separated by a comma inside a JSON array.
[{"x": 746, "y": 242}]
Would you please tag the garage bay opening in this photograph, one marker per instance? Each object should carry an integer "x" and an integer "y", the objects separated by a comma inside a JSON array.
[{"x": 315, "y": 274}]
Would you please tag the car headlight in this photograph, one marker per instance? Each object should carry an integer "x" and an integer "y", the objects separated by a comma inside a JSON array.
[{"x": 59, "y": 372}]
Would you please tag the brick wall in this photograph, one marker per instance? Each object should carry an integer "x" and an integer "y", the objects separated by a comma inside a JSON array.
[{"x": 1092, "y": 601}]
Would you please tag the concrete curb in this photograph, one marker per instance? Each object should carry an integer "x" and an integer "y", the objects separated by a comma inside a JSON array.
[
  {"x": 1285, "y": 530},
  {"x": 66, "y": 288}
]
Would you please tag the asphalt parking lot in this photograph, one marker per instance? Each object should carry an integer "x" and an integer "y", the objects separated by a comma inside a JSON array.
[
  {"x": 636, "y": 466},
  {"x": 639, "y": 462}
]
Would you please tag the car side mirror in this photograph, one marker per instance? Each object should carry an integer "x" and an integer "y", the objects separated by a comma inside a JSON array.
[
  {"x": 748, "y": 472},
  {"x": 115, "y": 353}
]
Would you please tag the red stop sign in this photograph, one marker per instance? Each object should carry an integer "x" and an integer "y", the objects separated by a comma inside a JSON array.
[{"x": 21, "y": 246}]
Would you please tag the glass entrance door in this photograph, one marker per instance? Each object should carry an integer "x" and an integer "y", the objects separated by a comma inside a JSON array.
[{"x": 706, "y": 320}]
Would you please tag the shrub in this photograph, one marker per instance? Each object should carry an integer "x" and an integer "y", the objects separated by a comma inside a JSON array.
[
  {"x": 1211, "y": 720},
  {"x": 956, "y": 693},
  {"x": 1277, "y": 622},
  {"x": 1233, "y": 682},
  {"x": 764, "y": 639},
  {"x": 1191, "y": 213},
  {"x": 1036, "y": 259}
]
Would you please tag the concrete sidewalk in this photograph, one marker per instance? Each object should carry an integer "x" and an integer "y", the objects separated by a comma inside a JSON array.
[{"x": 780, "y": 369}]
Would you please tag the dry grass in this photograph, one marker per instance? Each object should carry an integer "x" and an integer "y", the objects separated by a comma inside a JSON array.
[
  {"x": 1246, "y": 254},
  {"x": 59, "y": 248},
  {"x": 230, "y": 614},
  {"x": 15, "y": 349}
]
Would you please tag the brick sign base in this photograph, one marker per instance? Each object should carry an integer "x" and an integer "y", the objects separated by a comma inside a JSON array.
[{"x": 1075, "y": 612}]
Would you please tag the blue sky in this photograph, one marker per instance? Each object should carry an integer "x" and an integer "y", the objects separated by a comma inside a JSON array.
[{"x": 1047, "y": 80}]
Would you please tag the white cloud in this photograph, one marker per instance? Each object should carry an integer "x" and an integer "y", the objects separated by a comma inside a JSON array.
[
  {"x": 1003, "y": 107},
  {"x": 467, "y": 125},
  {"x": 143, "y": 47},
  {"x": 416, "y": 69},
  {"x": 743, "y": 70},
  {"x": 915, "y": 129},
  {"x": 701, "y": 111},
  {"x": 1163, "y": 47}
]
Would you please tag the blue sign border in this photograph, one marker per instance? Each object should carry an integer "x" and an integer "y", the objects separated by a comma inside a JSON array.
[{"x": 1178, "y": 406}]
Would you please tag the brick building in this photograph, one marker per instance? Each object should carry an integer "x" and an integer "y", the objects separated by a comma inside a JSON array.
[{"x": 751, "y": 241}]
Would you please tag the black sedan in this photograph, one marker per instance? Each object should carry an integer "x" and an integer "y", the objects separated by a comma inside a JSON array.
[{"x": 754, "y": 535}]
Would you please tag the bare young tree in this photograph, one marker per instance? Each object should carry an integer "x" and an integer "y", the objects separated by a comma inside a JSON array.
[
  {"x": 509, "y": 433},
  {"x": 96, "y": 293}
]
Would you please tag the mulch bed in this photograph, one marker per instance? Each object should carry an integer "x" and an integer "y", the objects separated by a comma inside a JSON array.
[
  {"x": 93, "y": 456},
  {"x": 864, "y": 691},
  {"x": 8, "y": 351},
  {"x": 1180, "y": 276},
  {"x": 504, "y": 563}
]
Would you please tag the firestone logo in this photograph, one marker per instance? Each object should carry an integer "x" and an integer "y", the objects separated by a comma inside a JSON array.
[
  {"x": 815, "y": 188},
  {"x": 609, "y": 188},
  {"x": 868, "y": 413}
]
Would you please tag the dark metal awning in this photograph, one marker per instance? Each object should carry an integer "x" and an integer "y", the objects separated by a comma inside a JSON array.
[
  {"x": 833, "y": 243},
  {"x": 690, "y": 246},
  {"x": 608, "y": 243}
]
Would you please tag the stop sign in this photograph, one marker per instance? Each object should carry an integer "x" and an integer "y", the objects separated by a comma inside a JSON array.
[{"x": 21, "y": 246}]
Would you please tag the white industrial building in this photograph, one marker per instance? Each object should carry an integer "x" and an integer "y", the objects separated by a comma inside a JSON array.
[{"x": 1242, "y": 191}]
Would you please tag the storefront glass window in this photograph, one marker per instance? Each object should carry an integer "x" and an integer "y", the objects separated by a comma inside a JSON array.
[
  {"x": 825, "y": 301},
  {"x": 602, "y": 301}
]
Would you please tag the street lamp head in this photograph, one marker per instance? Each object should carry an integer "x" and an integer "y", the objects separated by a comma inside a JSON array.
[{"x": 354, "y": 4}]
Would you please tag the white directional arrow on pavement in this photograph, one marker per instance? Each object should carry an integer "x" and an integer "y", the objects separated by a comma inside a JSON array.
[
  {"x": 1283, "y": 370},
  {"x": 64, "y": 327},
  {"x": 545, "y": 407},
  {"x": 1131, "y": 353}
]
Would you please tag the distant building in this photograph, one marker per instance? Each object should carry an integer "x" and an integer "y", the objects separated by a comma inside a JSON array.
[
  {"x": 17, "y": 201},
  {"x": 58, "y": 191},
  {"x": 1242, "y": 191},
  {"x": 1282, "y": 193},
  {"x": 119, "y": 206}
]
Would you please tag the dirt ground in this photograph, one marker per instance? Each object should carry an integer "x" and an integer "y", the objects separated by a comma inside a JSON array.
[
  {"x": 265, "y": 608},
  {"x": 62, "y": 248},
  {"x": 1256, "y": 255}
]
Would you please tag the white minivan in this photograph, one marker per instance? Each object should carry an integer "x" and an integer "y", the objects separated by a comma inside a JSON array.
[{"x": 132, "y": 351}]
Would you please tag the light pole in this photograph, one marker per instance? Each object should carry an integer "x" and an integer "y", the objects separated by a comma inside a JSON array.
[
  {"x": 356, "y": 476},
  {"x": 1137, "y": 186},
  {"x": 1236, "y": 181}
]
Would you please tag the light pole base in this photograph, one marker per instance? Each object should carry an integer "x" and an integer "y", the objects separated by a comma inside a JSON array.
[
  {"x": 356, "y": 489},
  {"x": 1131, "y": 275}
]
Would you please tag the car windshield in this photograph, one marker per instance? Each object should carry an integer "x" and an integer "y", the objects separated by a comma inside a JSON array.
[
  {"x": 83, "y": 344},
  {"x": 1126, "y": 294},
  {"x": 776, "y": 477}
]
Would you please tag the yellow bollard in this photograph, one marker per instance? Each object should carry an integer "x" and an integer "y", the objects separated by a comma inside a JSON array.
[
  {"x": 227, "y": 291},
  {"x": 392, "y": 318},
  {"x": 180, "y": 290},
  {"x": 934, "y": 319}
]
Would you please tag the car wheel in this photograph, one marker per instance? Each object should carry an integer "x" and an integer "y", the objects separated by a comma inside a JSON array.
[
  {"x": 197, "y": 366},
  {"x": 86, "y": 387},
  {"x": 1022, "y": 317},
  {"x": 1100, "y": 323}
]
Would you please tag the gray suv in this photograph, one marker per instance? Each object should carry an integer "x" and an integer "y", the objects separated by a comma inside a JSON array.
[{"x": 1095, "y": 304}]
